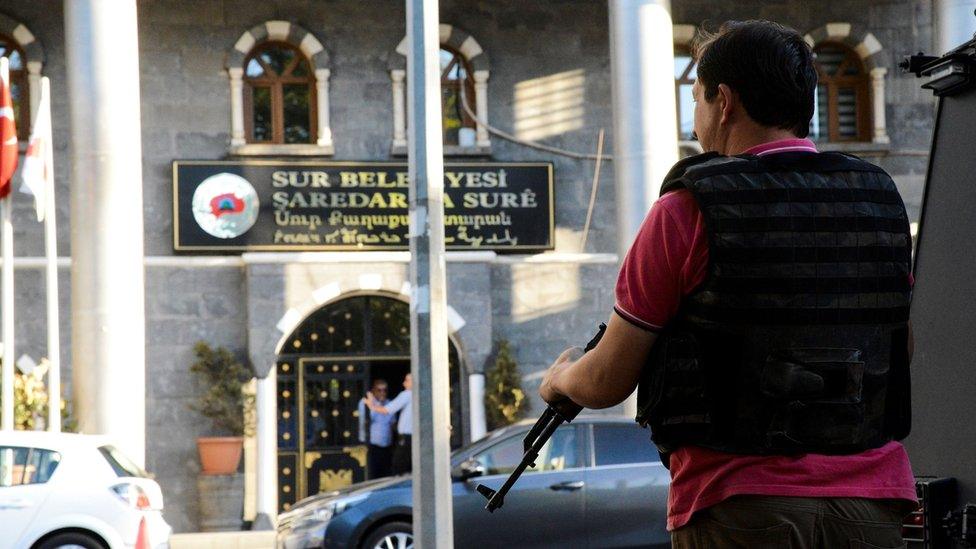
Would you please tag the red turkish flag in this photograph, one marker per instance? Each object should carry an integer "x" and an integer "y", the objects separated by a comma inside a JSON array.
[{"x": 8, "y": 131}]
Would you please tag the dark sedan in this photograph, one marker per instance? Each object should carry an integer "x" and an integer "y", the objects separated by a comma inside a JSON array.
[{"x": 598, "y": 483}]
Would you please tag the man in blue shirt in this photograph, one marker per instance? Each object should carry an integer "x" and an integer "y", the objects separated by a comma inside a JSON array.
[
  {"x": 377, "y": 430},
  {"x": 402, "y": 462}
]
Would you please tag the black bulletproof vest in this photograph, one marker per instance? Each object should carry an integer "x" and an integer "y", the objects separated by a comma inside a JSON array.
[{"x": 797, "y": 339}]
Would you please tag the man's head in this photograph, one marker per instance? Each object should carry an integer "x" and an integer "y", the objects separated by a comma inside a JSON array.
[
  {"x": 380, "y": 388},
  {"x": 756, "y": 82},
  {"x": 407, "y": 382}
]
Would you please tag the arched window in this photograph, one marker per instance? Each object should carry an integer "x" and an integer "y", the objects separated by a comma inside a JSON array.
[
  {"x": 685, "y": 73},
  {"x": 279, "y": 95},
  {"x": 464, "y": 66},
  {"x": 19, "y": 88},
  {"x": 279, "y": 92},
  {"x": 459, "y": 127},
  {"x": 841, "y": 111}
]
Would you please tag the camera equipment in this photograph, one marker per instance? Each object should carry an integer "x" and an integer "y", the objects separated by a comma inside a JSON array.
[
  {"x": 961, "y": 525},
  {"x": 924, "y": 527}
]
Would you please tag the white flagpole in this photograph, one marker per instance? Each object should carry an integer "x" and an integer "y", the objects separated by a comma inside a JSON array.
[
  {"x": 51, "y": 254},
  {"x": 7, "y": 312},
  {"x": 7, "y": 307}
]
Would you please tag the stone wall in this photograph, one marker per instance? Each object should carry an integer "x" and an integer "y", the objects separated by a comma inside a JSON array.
[
  {"x": 183, "y": 306},
  {"x": 543, "y": 308}
]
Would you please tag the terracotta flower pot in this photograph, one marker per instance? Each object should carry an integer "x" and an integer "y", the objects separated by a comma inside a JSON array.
[{"x": 220, "y": 455}]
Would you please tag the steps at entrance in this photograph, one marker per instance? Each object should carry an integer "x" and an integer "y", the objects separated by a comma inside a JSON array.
[{"x": 223, "y": 540}]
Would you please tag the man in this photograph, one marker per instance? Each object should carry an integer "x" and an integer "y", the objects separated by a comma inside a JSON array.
[
  {"x": 377, "y": 431},
  {"x": 768, "y": 295},
  {"x": 402, "y": 459}
]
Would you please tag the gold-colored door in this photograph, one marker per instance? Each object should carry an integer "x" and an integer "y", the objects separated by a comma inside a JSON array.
[
  {"x": 318, "y": 434},
  {"x": 332, "y": 455}
]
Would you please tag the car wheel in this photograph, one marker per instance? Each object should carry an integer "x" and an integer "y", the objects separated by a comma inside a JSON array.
[
  {"x": 70, "y": 540},
  {"x": 394, "y": 535}
]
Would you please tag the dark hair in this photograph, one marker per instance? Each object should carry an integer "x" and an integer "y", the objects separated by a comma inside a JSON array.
[{"x": 769, "y": 65}]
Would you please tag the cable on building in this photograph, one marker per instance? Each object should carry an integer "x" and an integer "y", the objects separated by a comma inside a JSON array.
[{"x": 531, "y": 144}]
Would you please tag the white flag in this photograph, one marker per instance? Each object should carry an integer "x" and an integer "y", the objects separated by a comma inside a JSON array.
[{"x": 38, "y": 170}]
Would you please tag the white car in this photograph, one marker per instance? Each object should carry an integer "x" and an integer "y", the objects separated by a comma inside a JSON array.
[{"x": 75, "y": 491}]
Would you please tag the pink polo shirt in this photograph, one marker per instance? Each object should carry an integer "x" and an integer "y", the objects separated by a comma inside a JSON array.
[{"x": 669, "y": 259}]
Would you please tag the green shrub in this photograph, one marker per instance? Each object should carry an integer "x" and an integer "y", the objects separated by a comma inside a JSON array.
[
  {"x": 223, "y": 401},
  {"x": 505, "y": 400},
  {"x": 31, "y": 401}
]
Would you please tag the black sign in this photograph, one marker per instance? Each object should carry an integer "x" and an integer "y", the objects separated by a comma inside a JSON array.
[{"x": 272, "y": 205}]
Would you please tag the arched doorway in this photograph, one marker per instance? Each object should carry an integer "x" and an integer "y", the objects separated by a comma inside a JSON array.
[{"x": 324, "y": 368}]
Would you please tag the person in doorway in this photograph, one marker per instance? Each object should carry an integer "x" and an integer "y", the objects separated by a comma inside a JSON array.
[
  {"x": 402, "y": 459},
  {"x": 376, "y": 430},
  {"x": 762, "y": 314}
]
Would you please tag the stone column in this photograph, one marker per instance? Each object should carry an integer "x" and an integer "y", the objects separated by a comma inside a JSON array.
[
  {"x": 481, "y": 107},
  {"x": 880, "y": 134},
  {"x": 266, "y": 506},
  {"x": 107, "y": 280},
  {"x": 236, "y": 106},
  {"x": 322, "y": 95},
  {"x": 399, "y": 104},
  {"x": 34, "y": 87},
  {"x": 476, "y": 398},
  {"x": 645, "y": 132}
]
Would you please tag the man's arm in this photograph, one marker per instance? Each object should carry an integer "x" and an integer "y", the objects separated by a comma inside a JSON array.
[
  {"x": 363, "y": 435},
  {"x": 606, "y": 375},
  {"x": 394, "y": 405},
  {"x": 370, "y": 403}
]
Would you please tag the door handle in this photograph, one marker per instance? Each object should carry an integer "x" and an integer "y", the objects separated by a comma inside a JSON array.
[
  {"x": 568, "y": 486},
  {"x": 15, "y": 504}
]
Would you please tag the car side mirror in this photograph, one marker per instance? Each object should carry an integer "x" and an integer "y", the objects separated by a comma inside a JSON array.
[{"x": 468, "y": 469}]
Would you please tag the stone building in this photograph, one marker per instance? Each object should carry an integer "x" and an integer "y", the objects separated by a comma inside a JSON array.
[{"x": 320, "y": 85}]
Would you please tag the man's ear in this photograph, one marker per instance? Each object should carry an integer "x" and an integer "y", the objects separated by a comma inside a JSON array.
[{"x": 727, "y": 99}]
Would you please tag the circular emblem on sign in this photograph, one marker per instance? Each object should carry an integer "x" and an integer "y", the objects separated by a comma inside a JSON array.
[{"x": 225, "y": 205}]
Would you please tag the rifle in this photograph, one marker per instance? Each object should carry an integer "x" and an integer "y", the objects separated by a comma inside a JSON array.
[{"x": 556, "y": 413}]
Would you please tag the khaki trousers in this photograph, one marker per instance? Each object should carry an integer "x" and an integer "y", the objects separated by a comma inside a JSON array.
[{"x": 761, "y": 522}]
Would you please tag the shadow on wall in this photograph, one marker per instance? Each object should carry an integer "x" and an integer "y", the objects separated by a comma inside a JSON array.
[
  {"x": 543, "y": 308},
  {"x": 549, "y": 105}
]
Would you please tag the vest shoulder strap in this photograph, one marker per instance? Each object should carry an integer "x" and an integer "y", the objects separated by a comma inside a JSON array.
[
  {"x": 673, "y": 180},
  {"x": 693, "y": 168}
]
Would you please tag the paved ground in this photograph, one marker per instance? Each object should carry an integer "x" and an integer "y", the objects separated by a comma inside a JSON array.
[{"x": 223, "y": 540}]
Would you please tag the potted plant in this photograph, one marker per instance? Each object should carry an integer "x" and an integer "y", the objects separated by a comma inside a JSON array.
[
  {"x": 225, "y": 403},
  {"x": 505, "y": 400}
]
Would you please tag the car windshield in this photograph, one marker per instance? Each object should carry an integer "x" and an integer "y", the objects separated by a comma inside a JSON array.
[
  {"x": 467, "y": 450},
  {"x": 560, "y": 452},
  {"x": 123, "y": 466}
]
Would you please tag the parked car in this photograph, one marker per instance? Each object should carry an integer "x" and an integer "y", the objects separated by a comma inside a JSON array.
[
  {"x": 77, "y": 491},
  {"x": 597, "y": 483}
]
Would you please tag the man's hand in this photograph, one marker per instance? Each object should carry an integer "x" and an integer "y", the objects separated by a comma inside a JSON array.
[
  {"x": 546, "y": 390},
  {"x": 606, "y": 375}
]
